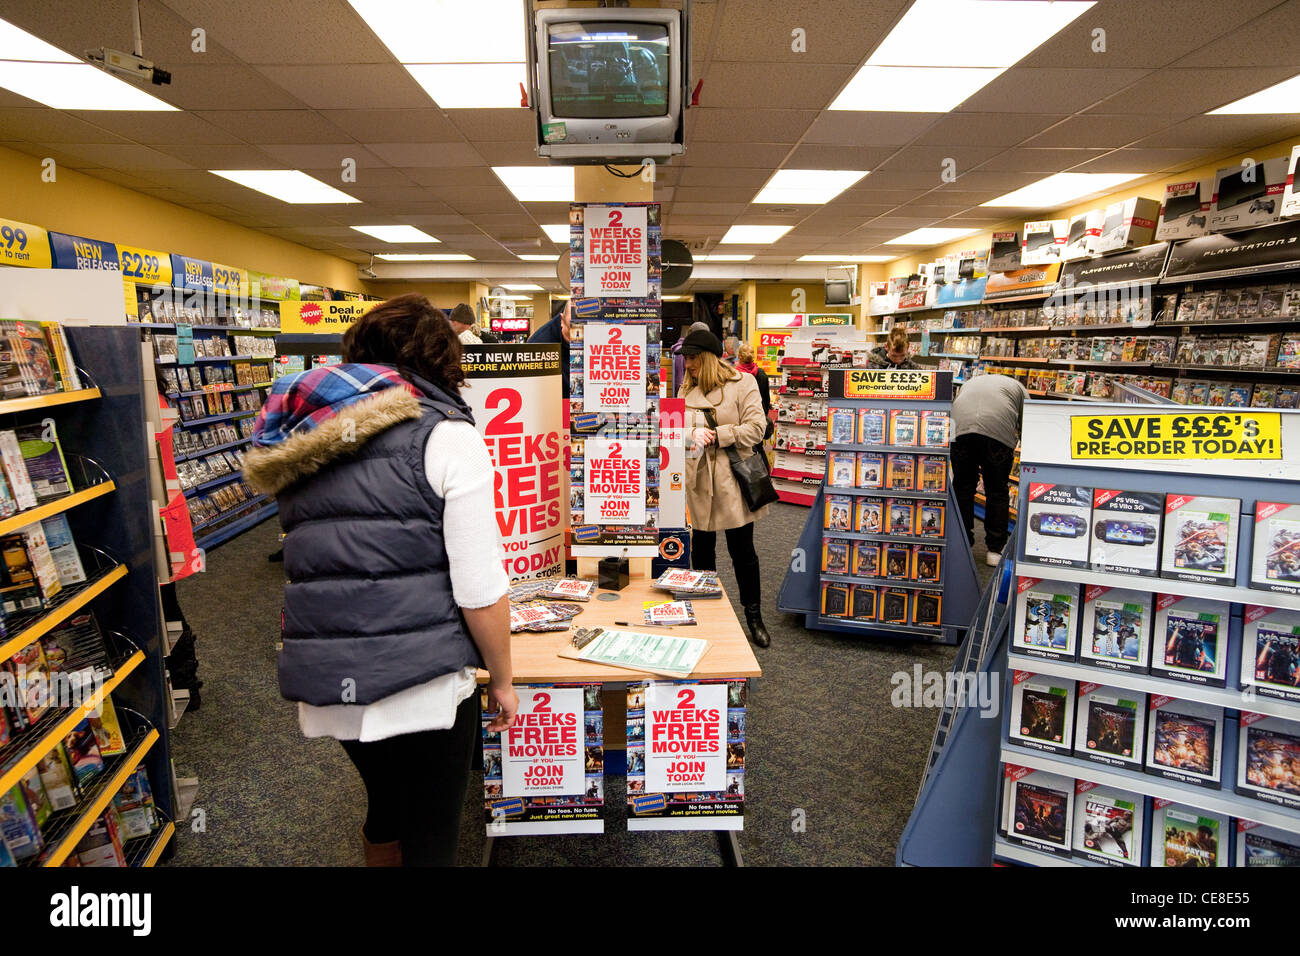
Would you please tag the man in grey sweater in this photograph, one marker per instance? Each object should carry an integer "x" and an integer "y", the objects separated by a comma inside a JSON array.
[{"x": 986, "y": 429}]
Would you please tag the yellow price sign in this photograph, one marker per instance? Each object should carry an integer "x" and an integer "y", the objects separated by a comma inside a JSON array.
[
  {"x": 230, "y": 279},
  {"x": 889, "y": 383},
  {"x": 1245, "y": 435},
  {"x": 145, "y": 265},
  {"x": 22, "y": 244}
]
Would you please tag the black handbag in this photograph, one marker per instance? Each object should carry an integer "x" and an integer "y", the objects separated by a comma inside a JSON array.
[{"x": 751, "y": 473}]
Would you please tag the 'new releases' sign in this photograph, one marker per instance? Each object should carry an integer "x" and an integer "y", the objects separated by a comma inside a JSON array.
[
  {"x": 614, "y": 250},
  {"x": 615, "y": 475},
  {"x": 614, "y": 368}
]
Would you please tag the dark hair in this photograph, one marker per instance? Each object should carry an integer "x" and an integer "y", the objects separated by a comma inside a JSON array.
[
  {"x": 409, "y": 333},
  {"x": 463, "y": 314}
]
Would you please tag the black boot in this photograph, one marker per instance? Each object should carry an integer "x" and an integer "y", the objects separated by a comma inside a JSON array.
[{"x": 757, "y": 631}]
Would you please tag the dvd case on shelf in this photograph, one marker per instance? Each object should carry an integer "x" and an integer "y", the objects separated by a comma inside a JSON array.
[
  {"x": 1046, "y": 622},
  {"x": 900, "y": 471},
  {"x": 835, "y": 556},
  {"x": 1126, "y": 531},
  {"x": 865, "y": 599},
  {"x": 869, "y": 517},
  {"x": 871, "y": 426},
  {"x": 840, "y": 469},
  {"x": 1200, "y": 539},
  {"x": 870, "y": 470},
  {"x": 1189, "y": 639},
  {"x": 1268, "y": 759},
  {"x": 1058, "y": 520},
  {"x": 1110, "y": 725},
  {"x": 1185, "y": 741},
  {"x": 927, "y": 608},
  {"x": 1275, "y": 555},
  {"x": 866, "y": 559},
  {"x": 1042, "y": 711},
  {"x": 1183, "y": 836},
  {"x": 1116, "y": 628},
  {"x": 1109, "y": 824},
  {"x": 1270, "y": 652},
  {"x": 903, "y": 426},
  {"x": 1261, "y": 846},
  {"x": 930, "y": 518},
  {"x": 839, "y": 513},
  {"x": 1038, "y": 809}
]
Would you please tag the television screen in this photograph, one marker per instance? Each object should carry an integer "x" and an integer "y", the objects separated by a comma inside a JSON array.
[
  {"x": 604, "y": 70},
  {"x": 1236, "y": 189},
  {"x": 1181, "y": 206},
  {"x": 839, "y": 292}
]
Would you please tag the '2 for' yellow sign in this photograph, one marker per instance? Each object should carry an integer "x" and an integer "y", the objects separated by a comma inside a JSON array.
[{"x": 1249, "y": 434}]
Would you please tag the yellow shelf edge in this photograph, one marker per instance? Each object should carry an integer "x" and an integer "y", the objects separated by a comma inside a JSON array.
[
  {"x": 91, "y": 813},
  {"x": 66, "y": 725},
  {"x": 58, "y": 506},
  {"x": 61, "y": 613},
  {"x": 161, "y": 845},
  {"x": 47, "y": 401}
]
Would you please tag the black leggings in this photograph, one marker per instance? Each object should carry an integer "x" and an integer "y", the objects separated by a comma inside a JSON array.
[
  {"x": 744, "y": 559},
  {"x": 415, "y": 787}
]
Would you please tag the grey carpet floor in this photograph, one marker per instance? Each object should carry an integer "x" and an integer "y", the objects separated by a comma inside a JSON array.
[{"x": 823, "y": 738}]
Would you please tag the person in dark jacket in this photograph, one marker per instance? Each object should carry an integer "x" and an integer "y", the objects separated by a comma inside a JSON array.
[
  {"x": 895, "y": 353},
  {"x": 394, "y": 596},
  {"x": 557, "y": 331}
]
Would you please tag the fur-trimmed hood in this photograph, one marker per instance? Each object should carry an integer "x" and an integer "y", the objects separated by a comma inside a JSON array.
[{"x": 271, "y": 469}]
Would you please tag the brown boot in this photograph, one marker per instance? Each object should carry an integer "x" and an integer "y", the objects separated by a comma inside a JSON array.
[{"x": 381, "y": 854}]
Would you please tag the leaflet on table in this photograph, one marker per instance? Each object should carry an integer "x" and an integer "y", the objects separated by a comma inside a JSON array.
[
  {"x": 667, "y": 613},
  {"x": 545, "y": 774},
  {"x": 653, "y": 652}
]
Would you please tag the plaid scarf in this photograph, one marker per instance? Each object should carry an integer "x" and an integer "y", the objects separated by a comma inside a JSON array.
[{"x": 299, "y": 403}]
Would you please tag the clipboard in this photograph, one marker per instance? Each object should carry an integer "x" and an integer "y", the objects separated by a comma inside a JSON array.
[{"x": 581, "y": 646}]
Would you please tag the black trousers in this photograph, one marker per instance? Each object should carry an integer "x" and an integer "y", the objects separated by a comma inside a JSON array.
[
  {"x": 973, "y": 455},
  {"x": 415, "y": 787},
  {"x": 744, "y": 559}
]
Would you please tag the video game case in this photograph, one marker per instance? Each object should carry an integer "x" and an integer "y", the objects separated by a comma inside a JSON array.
[
  {"x": 895, "y": 606},
  {"x": 1188, "y": 836},
  {"x": 1189, "y": 640},
  {"x": 927, "y": 608},
  {"x": 932, "y": 474},
  {"x": 841, "y": 426},
  {"x": 870, "y": 470},
  {"x": 835, "y": 599},
  {"x": 872, "y": 426},
  {"x": 866, "y": 601},
  {"x": 1110, "y": 725},
  {"x": 835, "y": 556},
  {"x": 1275, "y": 556},
  {"x": 1058, "y": 525},
  {"x": 869, "y": 515},
  {"x": 1116, "y": 629},
  {"x": 1268, "y": 759},
  {"x": 1261, "y": 846},
  {"x": 927, "y": 564},
  {"x": 841, "y": 468},
  {"x": 839, "y": 513},
  {"x": 1038, "y": 809},
  {"x": 1110, "y": 824},
  {"x": 866, "y": 559},
  {"x": 1042, "y": 712},
  {"x": 1270, "y": 652},
  {"x": 935, "y": 428},
  {"x": 904, "y": 425},
  {"x": 1047, "y": 619},
  {"x": 1184, "y": 741},
  {"x": 1126, "y": 531},
  {"x": 930, "y": 519},
  {"x": 1200, "y": 539}
]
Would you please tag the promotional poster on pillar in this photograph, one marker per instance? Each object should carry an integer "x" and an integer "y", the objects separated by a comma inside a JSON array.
[
  {"x": 614, "y": 260},
  {"x": 686, "y": 755},
  {"x": 514, "y": 394},
  {"x": 545, "y": 774}
]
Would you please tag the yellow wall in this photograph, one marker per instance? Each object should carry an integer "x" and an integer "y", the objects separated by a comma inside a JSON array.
[
  {"x": 444, "y": 295},
  {"x": 1152, "y": 187}
]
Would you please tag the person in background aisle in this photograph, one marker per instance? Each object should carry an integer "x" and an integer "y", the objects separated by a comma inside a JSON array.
[
  {"x": 712, "y": 494},
  {"x": 557, "y": 331},
  {"x": 730, "y": 349},
  {"x": 462, "y": 321},
  {"x": 745, "y": 354},
  {"x": 986, "y": 429},
  {"x": 487, "y": 336},
  {"x": 679, "y": 360},
  {"x": 394, "y": 595},
  {"x": 895, "y": 353}
]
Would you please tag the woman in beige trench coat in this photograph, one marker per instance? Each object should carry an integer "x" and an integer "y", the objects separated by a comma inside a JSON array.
[{"x": 712, "y": 494}]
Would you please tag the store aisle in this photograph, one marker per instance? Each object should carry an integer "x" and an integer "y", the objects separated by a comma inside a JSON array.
[{"x": 824, "y": 736}]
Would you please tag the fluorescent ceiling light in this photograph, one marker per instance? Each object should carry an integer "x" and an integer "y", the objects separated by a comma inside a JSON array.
[
  {"x": 396, "y": 233},
  {"x": 943, "y": 51},
  {"x": 757, "y": 235},
  {"x": 471, "y": 86},
  {"x": 447, "y": 31},
  {"x": 557, "y": 232},
  {"x": 1282, "y": 97},
  {"x": 76, "y": 86},
  {"x": 846, "y": 258},
  {"x": 1061, "y": 189},
  {"x": 522, "y": 287},
  {"x": 807, "y": 186},
  {"x": 930, "y": 236},
  {"x": 724, "y": 257},
  {"x": 287, "y": 185},
  {"x": 538, "y": 183},
  {"x": 424, "y": 257},
  {"x": 16, "y": 44},
  {"x": 533, "y": 258}
]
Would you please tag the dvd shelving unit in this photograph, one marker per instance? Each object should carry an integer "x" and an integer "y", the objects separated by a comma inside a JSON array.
[
  {"x": 102, "y": 429},
  {"x": 799, "y": 435},
  {"x": 955, "y": 586}
]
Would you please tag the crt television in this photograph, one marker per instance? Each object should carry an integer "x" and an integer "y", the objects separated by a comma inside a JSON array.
[
  {"x": 839, "y": 291},
  {"x": 609, "y": 83}
]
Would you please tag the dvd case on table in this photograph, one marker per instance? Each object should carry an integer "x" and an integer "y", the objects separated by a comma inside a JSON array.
[
  {"x": 1109, "y": 824},
  {"x": 1200, "y": 539},
  {"x": 1047, "y": 619},
  {"x": 1126, "y": 531},
  {"x": 1261, "y": 846},
  {"x": 1268, "y": 759},
  {"x": 870, "y": 470},
  {"x": 1057, "y": 524},
  {"x": 1270, "y": 652},
  {"x": 1275, "y": 555},
  {"x": 900, "y": 472},
  {"x": 1038, "y": 809},
  {"x": 1110, "y": 725},
  {"x": 1189, "y": 639},
  {"x": 840, "y": 469},
  {"x": 871, "y": 426},
  {"x": 903, "y": 426},
  {"x": 870, "y": 516},
  {"x": 1042, "y": 712},
  {"x": 1187, "y": 836},
  {"x": 1185, "y": 741},
  {"x": 1116, "y": 628}
]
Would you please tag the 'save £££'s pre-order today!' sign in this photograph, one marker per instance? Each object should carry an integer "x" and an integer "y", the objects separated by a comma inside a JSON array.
[{"x": 1247, "y": 435}]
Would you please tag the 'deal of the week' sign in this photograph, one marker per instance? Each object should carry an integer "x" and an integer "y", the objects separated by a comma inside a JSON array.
[
  {"x": 614, "y": 359},
  {"x": 545, "y": 773},
  {"x": 686, "y": 755},
  {"x": 322, "y": 318},
  {"x": 615, "y": 260},
  {"x": 615, "y": 481},
  {"x": 514, "y": 393}
]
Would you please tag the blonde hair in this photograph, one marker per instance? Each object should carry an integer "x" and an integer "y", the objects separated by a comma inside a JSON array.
[
  {"x": 745, "y": 353},
  {"x": 713, "y": 374},
  {"x": 897, "y": 341}
]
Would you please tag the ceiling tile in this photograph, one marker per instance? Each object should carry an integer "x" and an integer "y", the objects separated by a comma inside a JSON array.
[
  {"x": 1093, "y": 129},
  {"x": 750, "y": 125},
  {"x": 224, "y": 86},
  {"x": 394, "y": 126},
  {"x": 160, "y": 129},
  {"x": 1217, "y": 131},
  {"x": 343, "y": 86},
  {"x": 699, "y": 194},
  {"x": 1048, "y": 90},
  {"x": 130, "y": 154},
  {"x": 806, "y": 86},
  {"x": 1039, "y": 160},
  {"x": 44, "y": 125},
  {"x": 273, "y": 126},
  {"x": 509, "y": 154},
  {"x": 814, "y": 156},
  {"x": 370, "y": 177},
  {"x": 762, "y": 156},
  {"x": 222, "y": 157},
  {"x": 707, "y": 176},
  {"x": 322, "y": 155},
  {"x": 466, "y": 177},
  {"x": 1269, "y": 39},
  {"x": 988, "y": 129},
  {"x": 495, "y": 126},
  {"x": 1142, "y": 160},
  {"x": 283, "y": 31},
  {"x": 856, "y": 128},
  {"x": 1186, "y": 92},
  {"x": 433, "y": 155},
  {"x": 757, "y": 30}
]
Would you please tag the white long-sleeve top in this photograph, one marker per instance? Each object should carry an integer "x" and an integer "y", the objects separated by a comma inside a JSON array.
[{"x": 459, "y": 469}]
